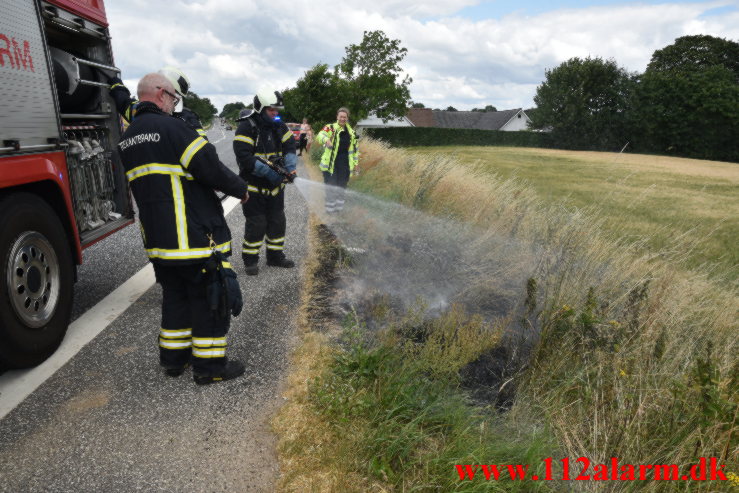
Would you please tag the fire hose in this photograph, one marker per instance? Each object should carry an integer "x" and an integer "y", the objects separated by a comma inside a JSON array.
[{"x": 275, "y": 166}]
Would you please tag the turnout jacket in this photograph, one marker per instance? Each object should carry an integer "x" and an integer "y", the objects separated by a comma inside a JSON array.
[
  {"x": 173, "y": 172},
  {"x": 127, "y": 106},
  {"x": 266, "y": 139},
  {"x": 331, "y": 131}
]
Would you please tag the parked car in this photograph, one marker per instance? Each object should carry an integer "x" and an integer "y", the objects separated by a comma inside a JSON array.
[
  {"x": 295, "y": 129},
  {"x": 228, "y": 127}
]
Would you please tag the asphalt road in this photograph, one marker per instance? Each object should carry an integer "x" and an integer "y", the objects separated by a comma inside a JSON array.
[{"x": 109, "y": 420}]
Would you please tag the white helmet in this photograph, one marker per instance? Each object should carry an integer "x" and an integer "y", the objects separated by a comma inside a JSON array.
[
  {"x": 268, "y": 98},
  {"x": 178, "y": 79}
]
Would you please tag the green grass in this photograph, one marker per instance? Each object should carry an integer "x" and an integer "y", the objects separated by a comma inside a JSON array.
[
  {"x": 408, "y": 428},
  {"x": 656, "y": 197}
]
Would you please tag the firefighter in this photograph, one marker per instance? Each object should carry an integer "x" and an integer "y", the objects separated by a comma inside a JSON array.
[
  {"x": 173, "y": 173},
  {"x": 339, "y": 160},
  {"x": 127, "y": 105},
  {"x": 260, "y": 134}
]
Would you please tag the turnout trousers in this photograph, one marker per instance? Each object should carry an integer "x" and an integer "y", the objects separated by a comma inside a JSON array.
[
  {"x": 337, "y": 182},
  {"x": 190, "y": 332},
  {"x": 265, "y": 223}
]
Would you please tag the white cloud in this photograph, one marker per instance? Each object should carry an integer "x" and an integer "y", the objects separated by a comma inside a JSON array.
[{"x": 231, "y": 49}]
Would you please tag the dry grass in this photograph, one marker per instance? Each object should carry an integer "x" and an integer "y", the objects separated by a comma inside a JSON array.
[
  {"x": 624, "y": 377},
  {"x": 454, "y": 340},
  {"x": 655, "y": 197},
  {"x": 637, "y": 358},
  {"x": 312, "y": 458}
]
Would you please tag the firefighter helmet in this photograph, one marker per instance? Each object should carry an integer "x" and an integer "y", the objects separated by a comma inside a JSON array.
[
  {"x": 244, "y": 114},
  {"x": 178, "y": 79},
  {"x": 267, "y": 98}
]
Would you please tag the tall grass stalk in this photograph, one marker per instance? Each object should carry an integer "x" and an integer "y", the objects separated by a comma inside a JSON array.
[{"x": 635, "y": 359}]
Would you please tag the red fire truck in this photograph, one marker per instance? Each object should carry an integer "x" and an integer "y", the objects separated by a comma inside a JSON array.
[{"x": 62, "y": 186}]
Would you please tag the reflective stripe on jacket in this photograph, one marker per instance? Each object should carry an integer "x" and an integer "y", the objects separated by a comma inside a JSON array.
[
  {"x": 255, "y": 138},
  {"x": 173, "y": 173},
  {"x": 331, "y": 131}
]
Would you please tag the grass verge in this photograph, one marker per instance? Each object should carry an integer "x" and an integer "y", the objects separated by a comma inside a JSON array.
[
  {"x": 387, "y": 414},
  {"x": 634, "y": 359}
]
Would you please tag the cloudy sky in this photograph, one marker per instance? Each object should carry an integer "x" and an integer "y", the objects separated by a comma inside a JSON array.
[{"x": 464, "y": 53}]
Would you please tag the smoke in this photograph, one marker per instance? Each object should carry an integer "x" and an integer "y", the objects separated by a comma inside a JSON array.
[{"x": 414, "y": 258}]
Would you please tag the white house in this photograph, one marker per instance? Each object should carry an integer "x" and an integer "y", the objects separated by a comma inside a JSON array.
[
  {"x": 372, "y": 121},
  {"x": 506, "y": 120}
]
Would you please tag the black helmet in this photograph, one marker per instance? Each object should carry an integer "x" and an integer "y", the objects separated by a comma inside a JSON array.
[
  {"x": 244, "y": 114},
  {"x": 267, "y": 98}
]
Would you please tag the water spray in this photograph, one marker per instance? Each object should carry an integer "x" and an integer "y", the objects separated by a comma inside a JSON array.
[{"x": 417, "y": 259}]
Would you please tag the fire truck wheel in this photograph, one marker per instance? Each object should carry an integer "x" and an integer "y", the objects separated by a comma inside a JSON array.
[{"x": 37, "y": 281}]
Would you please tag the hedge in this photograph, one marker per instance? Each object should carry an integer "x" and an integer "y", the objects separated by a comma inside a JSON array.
[{"x": 431, "y": 136}]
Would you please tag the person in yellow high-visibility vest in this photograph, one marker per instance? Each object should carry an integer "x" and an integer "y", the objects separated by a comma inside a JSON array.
[{"x": 340, "y": 158}]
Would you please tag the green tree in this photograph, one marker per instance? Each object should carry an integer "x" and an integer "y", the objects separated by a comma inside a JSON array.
[
  {"x": 584, "y": 103},
  {"x": 690, "y": 53},
  {"x": 201, "y": 107},
  {"x": 231, "y": 111},
  {"x": 687, "y": 101},
  {"x": 373, "y": 75},
  {"x": 316, "y": 96},
  {"x": 532, "y": 112},
  {"x": 418, "y": 105},
  {"x": 487, "y": 108},
  {"x": 451, "y": 108}
]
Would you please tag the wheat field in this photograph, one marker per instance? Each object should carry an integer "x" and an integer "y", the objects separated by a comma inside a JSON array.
[{"x": 657, "y": 198}]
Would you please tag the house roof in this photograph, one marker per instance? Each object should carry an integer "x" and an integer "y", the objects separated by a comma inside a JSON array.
[
  {"x": 421, "y": 117},
  {"x": 483, "y": 120},
  {"x": 373, "y": 120}
]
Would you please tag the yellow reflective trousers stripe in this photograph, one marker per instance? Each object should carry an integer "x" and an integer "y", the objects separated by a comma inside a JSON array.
[
  {"x": 209, "y": 347},
  {"x": 175, "y": 338}
]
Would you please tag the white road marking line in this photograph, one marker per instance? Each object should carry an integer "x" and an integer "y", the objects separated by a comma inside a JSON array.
[
  {"x": 223, "y": 136},
  {"x": 16, "y": 385}
]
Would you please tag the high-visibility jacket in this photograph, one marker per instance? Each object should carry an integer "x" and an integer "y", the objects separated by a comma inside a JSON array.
[
  {"x": 256, "y": 137},
  {"x": 331, "y": 131},
  {"x": 173, "y": 173}
]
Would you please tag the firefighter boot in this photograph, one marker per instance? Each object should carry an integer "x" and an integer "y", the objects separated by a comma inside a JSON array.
[
  {"x": 232, "y": 369},
  {"x": 251, "y": 264},
  {"x": 175, "y": 371},
  {"x": 279, "y": 260}
]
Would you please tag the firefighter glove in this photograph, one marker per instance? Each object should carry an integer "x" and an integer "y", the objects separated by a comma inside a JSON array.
[
  {"x": 222, "y": 290},
  {"x": 233, "y": 291},
  {"x": 213, "y": 290},
  {"x": 114, "y": 80}
]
